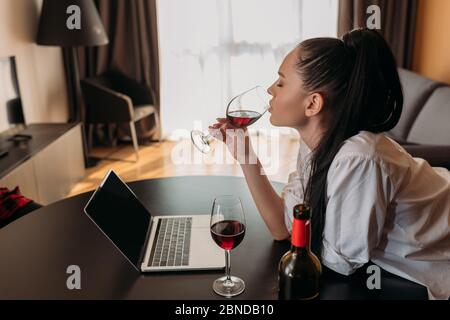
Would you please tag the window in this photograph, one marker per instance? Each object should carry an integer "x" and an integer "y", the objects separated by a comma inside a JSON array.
[{"x": 211, "y": 50}]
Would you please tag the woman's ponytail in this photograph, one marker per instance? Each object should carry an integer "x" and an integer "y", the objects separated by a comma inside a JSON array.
[{"x": 374, "y": 95}]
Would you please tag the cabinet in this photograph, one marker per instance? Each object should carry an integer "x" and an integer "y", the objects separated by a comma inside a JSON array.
[{"x": 49, "y": 165}]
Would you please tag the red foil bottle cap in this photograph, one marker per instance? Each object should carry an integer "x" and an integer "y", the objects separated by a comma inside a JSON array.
[{"x": 301, "y": 228}]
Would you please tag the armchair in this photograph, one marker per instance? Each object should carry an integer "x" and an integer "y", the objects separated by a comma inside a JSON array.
[{"x": 115, "y": 98}]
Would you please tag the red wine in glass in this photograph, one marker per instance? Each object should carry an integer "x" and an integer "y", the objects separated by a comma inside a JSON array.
[
  {"x": 243, "y": 118},
  {"x": 242, "y": 111},
  {"x": 228, "y": 234},
  {"x": 227, "y": 227}
]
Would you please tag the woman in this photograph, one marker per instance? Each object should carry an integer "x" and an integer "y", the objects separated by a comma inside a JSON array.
[{"x": 370, "y": 200}]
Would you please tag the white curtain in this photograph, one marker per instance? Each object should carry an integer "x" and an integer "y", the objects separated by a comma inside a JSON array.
[{"x": 211, "y": 50}]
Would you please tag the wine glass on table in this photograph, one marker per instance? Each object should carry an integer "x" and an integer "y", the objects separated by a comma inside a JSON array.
[
  {"x": 243, "y": 110},
  {"x": 228, "y": 230}
]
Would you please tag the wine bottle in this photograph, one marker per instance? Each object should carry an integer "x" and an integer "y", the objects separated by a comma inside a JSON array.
[{"x": 299, "y": 269}]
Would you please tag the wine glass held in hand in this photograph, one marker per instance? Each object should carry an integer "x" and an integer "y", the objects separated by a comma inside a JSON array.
[
  {"x": 299, "y": 269},
  {"x": 228, "y": 230},
  {"x": 242, "y": 111}
]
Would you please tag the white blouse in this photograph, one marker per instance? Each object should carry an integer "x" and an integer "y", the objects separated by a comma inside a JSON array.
[{"x": 384, "y": 206}]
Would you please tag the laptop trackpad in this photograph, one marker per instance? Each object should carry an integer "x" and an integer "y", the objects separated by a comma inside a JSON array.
[{"x": 205, "y": 253}]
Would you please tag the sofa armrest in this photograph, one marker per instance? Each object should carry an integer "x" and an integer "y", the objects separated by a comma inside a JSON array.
[{"x": 437, "y": 156}]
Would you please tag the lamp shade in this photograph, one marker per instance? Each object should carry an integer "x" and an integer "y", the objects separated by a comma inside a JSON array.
[{"x": 55, "y": 27}]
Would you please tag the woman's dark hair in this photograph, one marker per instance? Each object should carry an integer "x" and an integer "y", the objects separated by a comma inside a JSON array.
[{"x": 358, "y": 78}]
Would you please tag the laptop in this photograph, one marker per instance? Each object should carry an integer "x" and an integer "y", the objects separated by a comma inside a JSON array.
[{"x": 152, "y": 243}]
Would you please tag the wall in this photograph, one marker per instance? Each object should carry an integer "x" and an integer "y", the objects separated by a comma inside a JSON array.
[
  {"x": 432, "y": 43},
  {"x": 40, "y": 69}
]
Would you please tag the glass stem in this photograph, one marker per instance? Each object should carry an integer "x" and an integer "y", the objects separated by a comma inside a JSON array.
[
  {"x": 207, "y": 138},
  {"x": 227, "y": 265}
]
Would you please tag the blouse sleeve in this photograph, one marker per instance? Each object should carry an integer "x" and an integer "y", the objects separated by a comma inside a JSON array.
[{"x": 358, "y": 193}]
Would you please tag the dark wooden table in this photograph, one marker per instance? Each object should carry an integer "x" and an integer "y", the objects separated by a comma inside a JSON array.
[{"x": 36, "y": 250}]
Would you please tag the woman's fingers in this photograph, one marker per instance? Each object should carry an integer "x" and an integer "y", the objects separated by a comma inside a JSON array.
[
  {"x": 223, "y": 124},
  {"x": 216, "y": 131},
  {"x": 219, "y": 129}
]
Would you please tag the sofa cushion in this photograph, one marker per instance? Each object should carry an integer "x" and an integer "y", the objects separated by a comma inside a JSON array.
[
  {"x": 432, "y": 123},
  {"x": 416, "y": 91}
]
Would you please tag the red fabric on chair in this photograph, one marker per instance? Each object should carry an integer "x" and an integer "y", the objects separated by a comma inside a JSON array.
[{"x": 10, "y": 202}]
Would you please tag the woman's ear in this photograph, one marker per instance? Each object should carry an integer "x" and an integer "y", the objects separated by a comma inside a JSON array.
[{"x": 314, "y": 104}]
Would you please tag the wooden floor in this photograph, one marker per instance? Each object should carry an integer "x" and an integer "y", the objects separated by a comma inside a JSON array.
[{"x": 180, "y": 158}]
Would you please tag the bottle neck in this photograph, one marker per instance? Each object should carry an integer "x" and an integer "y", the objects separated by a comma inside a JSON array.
[{"x": 301, "y": 231}]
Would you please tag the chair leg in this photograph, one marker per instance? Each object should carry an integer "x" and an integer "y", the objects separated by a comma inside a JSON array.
[
  {"x": 158, "y": 125},
  {"x": 135, "y": 140},
  {"x": 112, "y": 136}
]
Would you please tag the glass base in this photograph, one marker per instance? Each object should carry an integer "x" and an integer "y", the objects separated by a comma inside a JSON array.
[
  {"x": 200, "y": 141},
  {"x": 228, "y": 289}
]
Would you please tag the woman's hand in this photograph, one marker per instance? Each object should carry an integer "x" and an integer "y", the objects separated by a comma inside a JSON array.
[
  {"x": 270, "y": 205},
  {"x": 236, "y": 139}
]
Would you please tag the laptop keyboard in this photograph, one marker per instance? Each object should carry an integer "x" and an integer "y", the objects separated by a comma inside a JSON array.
[{"x": 172, "y": 244}]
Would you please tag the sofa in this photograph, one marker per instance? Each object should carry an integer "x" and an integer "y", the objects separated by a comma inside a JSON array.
[{"x": 424, "y": 126}]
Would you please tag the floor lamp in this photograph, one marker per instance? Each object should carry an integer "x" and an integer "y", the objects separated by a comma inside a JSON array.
[{"x": 70, "y": 24}]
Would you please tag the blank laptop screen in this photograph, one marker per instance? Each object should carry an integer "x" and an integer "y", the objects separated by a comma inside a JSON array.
[{"x": 121, "y": 216}]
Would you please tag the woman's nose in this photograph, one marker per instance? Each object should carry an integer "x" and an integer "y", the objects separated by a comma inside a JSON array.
[{"x": 269, "y": 90}]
